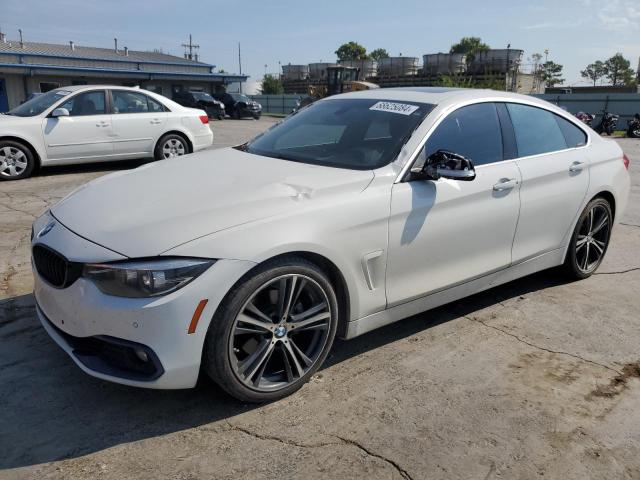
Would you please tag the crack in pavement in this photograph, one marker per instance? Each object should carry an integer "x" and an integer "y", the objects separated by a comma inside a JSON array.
[
  {"x": 343, "y": 441},
  {"x": 538, "y": 347},
  {"x": 630, "y": 225},
  {"x": 618, "y": 272}
]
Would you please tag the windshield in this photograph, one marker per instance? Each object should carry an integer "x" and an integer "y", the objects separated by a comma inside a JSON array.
[
  {"x": 238, "y": 97},
  {"x": 202, "y": 96},
  {"x": 39, "y": 104},
  {"x": 358, "y": 134}
]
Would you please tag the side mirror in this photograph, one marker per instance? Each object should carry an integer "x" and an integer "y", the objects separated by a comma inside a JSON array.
[
  {"x": 60, "y": 112},
  {"x": 450, "y": 165}
]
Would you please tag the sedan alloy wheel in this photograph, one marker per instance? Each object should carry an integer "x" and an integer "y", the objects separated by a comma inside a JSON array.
[{"x": 280, "y": 332}]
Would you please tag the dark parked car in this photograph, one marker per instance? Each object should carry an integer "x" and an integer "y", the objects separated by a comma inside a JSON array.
[
  {"x": 238, "y": 105},
  {"x": 213, "y": 107}
]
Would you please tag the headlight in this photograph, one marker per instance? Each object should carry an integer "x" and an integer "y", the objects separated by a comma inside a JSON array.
[{"x": 145, "y": 278}]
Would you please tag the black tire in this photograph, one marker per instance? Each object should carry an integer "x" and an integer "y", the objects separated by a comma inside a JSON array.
[
  {"x": 158, "y": 153},
  {"x": 257, "y": 116},
  {"x": 236, "y": 114},
  {"x": 633, "y": 132},
  {"x": 572, "y": 264},
  {"x": 219, "y": 348},
  {"x": 220, "y": 116},
  {"x": 17, "y": 155}
]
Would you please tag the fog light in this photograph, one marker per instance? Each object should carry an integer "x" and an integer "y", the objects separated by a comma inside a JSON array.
[{"x": 142, "y": 355}]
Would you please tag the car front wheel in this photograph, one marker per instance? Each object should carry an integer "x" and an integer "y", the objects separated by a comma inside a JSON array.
[
  {"x": 272, "y": 331},
  {"x": 590, "y": 239},
  {"x": 16, "y": 161}
]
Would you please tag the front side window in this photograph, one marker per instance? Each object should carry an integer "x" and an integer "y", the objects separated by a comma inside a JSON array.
[
  {"x": 87, "y": 103},
  {"x": 472, "y": 131},
  {"x": 536, "y": 130},
  {"x": 133, "y": 102},
  {"x": 358, "y": 134}
]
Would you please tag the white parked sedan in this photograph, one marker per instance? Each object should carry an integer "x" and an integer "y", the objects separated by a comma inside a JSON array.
[
  {"x": 83, "y": 124},
  {"x": 357, "y": 211}
]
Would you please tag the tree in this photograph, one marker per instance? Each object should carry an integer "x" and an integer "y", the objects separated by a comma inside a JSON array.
[
  {"x": 551, "y": 73},
  {"x": 470, "y": 46},
  {"x": 619, "y": 71},
  {"x": 351, "y": 51},
  {"x": 594, "y": 71},
  {"x": 379, "y": 53},
  {"x": 271, "y": 85}
]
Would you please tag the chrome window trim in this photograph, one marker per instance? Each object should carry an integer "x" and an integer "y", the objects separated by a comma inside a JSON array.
[{"x": 452, "y": 108}]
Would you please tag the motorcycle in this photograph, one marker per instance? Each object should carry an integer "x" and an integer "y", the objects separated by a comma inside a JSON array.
[
  {"x": 633, "y": 130},
  {"x": 608, "y": 123},
  {"x": 585, "y": 118}
]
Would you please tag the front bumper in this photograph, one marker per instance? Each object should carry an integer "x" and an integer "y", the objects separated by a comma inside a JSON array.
[{"x": 101, "y": 332}]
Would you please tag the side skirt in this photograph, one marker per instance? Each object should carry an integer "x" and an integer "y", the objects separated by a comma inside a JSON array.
[{"x": 433, "y": 300}]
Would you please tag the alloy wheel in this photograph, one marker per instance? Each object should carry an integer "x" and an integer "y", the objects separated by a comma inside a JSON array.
[
  {"x": 280, "y": 332},
  {"x": 13, "y": 161},
  {"x": 173, "y": 148},
  {"x": 592, "y": 238}
]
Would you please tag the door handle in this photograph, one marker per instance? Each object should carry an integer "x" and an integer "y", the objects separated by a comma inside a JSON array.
[
  {"x": 155, "y": 121},
  {"x": 505, "y": 184},
  {"x": 102, "y": 124},
  {"x": 576, "y": 167}
]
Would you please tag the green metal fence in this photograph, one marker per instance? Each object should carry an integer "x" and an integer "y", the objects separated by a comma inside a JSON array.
[{"x": 282, "y": 104}]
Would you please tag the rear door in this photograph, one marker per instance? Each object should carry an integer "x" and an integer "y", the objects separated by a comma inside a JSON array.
[
  {"x": 138, "y": 122},
  {"x": 552, "y": 159},
  {"x": 86, "y": 134}
]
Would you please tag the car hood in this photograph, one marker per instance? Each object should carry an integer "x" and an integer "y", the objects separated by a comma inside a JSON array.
[{"x": 151, "y": 209}]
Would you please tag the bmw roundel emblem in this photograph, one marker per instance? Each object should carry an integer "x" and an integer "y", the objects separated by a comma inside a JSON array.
[{"x": 46, "y": 229}]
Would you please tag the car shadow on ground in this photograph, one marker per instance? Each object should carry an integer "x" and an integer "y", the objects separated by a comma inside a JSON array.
[{"x": 52, "y": 411}]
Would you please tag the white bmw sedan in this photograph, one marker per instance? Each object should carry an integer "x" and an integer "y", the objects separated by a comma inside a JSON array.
[
  {"x": 83, "y": 124},
  {"x": 355, "y": 212}
]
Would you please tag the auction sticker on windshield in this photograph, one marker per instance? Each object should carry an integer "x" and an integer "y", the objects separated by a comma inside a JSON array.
[{"x": 393, "y": 107}]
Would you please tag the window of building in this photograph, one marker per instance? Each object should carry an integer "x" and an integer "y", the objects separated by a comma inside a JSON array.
[
  {"x": 47, "y": 86},
  {"x": 154, "y": 88}
]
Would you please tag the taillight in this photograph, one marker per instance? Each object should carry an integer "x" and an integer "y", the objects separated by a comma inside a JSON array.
[
  {"x": 625, "y": 159},
  {"x": 204, "y": 119}
]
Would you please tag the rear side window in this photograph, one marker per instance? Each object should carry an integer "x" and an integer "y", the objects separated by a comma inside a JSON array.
[
  {"x": 574, "y": 135},
  {"x": 536, "y": 130},
  {"x": 472, "y": 131},
  {"x": 125, "y": 101}
]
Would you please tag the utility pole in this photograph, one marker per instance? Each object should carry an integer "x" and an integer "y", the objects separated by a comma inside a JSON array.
[
  {"x": 240, "y": 67},
  {"x": 191, "y": 47}
]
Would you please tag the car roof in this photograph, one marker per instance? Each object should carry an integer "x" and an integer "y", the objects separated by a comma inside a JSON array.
[
  {"x": 77, "y": 88},
  {"x": 439, "y": 95}
]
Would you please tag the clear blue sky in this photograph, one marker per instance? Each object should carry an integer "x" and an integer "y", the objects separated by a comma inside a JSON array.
[{"x": 576, "y": 32}]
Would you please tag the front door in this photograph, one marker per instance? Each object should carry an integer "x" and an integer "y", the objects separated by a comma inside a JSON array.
[
  {"x": 555, "y": 178},
  {"x": 138, "y": 121},
  {"x": 86, "y": 134},
  {"x": 445, "y": 232}
]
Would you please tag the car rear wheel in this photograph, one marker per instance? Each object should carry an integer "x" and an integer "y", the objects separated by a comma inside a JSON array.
[
  {"x": 633, "y": 131},
  {"x": 170, "y": 146},
  {"x": 16, "y": 160},
  {"x": 273, "y": 331},
  {"x": 590, "y": 239}
]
